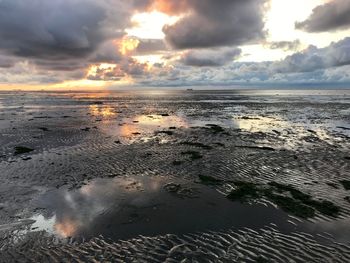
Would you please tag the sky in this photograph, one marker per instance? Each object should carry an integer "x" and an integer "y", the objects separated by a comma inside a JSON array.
[{"x": 119, "y": 44}]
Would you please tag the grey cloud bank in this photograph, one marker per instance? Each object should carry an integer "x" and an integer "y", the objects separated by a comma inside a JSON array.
[
  {"x": 55, "y": 41},
  {"x": 218, "y": 23},
  {"x": 334, "y": 15}
]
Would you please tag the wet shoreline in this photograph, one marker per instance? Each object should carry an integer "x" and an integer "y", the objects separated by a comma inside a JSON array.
[{"x": 128, "y": 165}]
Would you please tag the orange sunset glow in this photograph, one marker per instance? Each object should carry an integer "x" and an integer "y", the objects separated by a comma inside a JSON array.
[{"x": 165, "y": 43}]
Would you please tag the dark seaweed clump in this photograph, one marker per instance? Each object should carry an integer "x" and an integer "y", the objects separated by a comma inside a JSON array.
[
  {"x": 333, "y": 185},
  {"x": 244, "y": 192},
  {"x": 22, "y": 150},
  {"x": 208, "y": 180},
  {"x": 176, "y": 163},
  {"x": 193, "y": 155},
  {"x": 286, "y": 197},
  {"x": 165, "y": 132},
  {"x": 197, "y": 144},
  {"x": 265, "y": 148},
  {"x": 215, "y": 128},
  {"x": 346, "y": 184}
]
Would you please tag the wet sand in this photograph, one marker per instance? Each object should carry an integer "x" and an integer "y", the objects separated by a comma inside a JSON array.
[{"x": 252, "y": 176}]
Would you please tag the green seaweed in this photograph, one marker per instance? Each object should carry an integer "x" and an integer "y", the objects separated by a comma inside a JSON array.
[
  {"x": 262, "y": 260},
  {"x": 296, "y": 203},
  {"x": 215, "y": 128},
  {"x": 197, "y": 144},
  {"x": 165, "y": 132},
  {"x": 21, "y": 150},
  {"x": 193, "y": 155},
  {"x": 244, "y": 192},
  {"x": 292, "y": 205},
  {"x": 209, "y": 180},
  {"x": 325, "y": 207},
  {"x": 333, "y": 185},
  {"x": 176, "y": 163},
  {"x": 346, "y": 184},
  {"x": 294, "y": 192}
]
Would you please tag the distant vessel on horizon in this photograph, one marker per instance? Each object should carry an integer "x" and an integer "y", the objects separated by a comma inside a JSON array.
[{"x": 189, "y": 89}]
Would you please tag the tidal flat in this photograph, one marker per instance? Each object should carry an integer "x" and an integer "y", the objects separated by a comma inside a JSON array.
[{"x": 175, "y": 176}]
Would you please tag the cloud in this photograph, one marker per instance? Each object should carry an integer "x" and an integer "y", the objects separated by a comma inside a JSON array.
[
  {"x": 171, "y": 7},
  {"x": 54, "y": 41},
  {"x": 6, "y": 61},
  {"x": 313, "y": 58},
  {"x": 56, "y": 29},
  {"x": 209, "y": 23},
  {"x": 151, "y": 46},
  {"x": 331, "y": 16},
  {"x": 23, "y": 72},
  {"x": 210, "y": 58},
  {"x": 311, "y": 66},
  {"x": 243, "y": 74},
  {"x": 65, "y": 36},
  {"x": 285, "y": 45},
  {"x": 116, "y": 72},
  {"x": 107, "y": 53},
  {"x": 62, "y": 30}
]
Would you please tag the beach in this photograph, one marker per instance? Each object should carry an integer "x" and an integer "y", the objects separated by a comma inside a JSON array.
[{"x": 175, "y": 176}]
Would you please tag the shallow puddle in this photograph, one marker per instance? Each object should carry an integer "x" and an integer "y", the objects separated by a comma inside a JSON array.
[{"x": 123, "y": 208}]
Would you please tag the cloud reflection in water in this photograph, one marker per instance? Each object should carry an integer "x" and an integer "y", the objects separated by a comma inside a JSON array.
[{"x": 127, "y": 207}]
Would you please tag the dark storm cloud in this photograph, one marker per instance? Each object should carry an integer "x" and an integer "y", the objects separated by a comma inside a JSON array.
[
  {"x": 63, "y": 36},
  {"x": 212, "y": 23},
  {"x": 62, "y": 29},
  {"x": 331, "y": 16},
  {"x": 50, "y": 29},
  {"x": 210, "y": 58}
]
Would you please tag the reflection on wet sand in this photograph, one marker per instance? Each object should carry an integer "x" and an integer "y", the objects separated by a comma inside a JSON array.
[
  {"x": 260, "y": 123},
  {"x": 67, "y": 228},
  {"x": 144, "y": 126},
  {"x": 230, "y": 140},
  {"x": 123, "y": 208},
  {"x": 102, "y": 111}
]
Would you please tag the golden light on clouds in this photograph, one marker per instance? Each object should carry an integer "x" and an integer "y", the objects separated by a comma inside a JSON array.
[
  {"x": 144, "y": 56},
  {"x": 169, "y": 7},
  {"x": 150, "y": 25},
  {"x": 150, "y": 59},
  {"x": 94, "y": 69},
  {"x": 82, "y": 83},
  {"x": 127, "y": 45}
]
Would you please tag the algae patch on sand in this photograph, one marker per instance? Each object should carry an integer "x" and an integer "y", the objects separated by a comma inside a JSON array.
[
  {"x": 286, "y": 197},
  {"x": 22, "y": 150}
]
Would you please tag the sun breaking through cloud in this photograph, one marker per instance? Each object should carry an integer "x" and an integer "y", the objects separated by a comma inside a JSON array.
[{"x": 112, "y": 43}]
